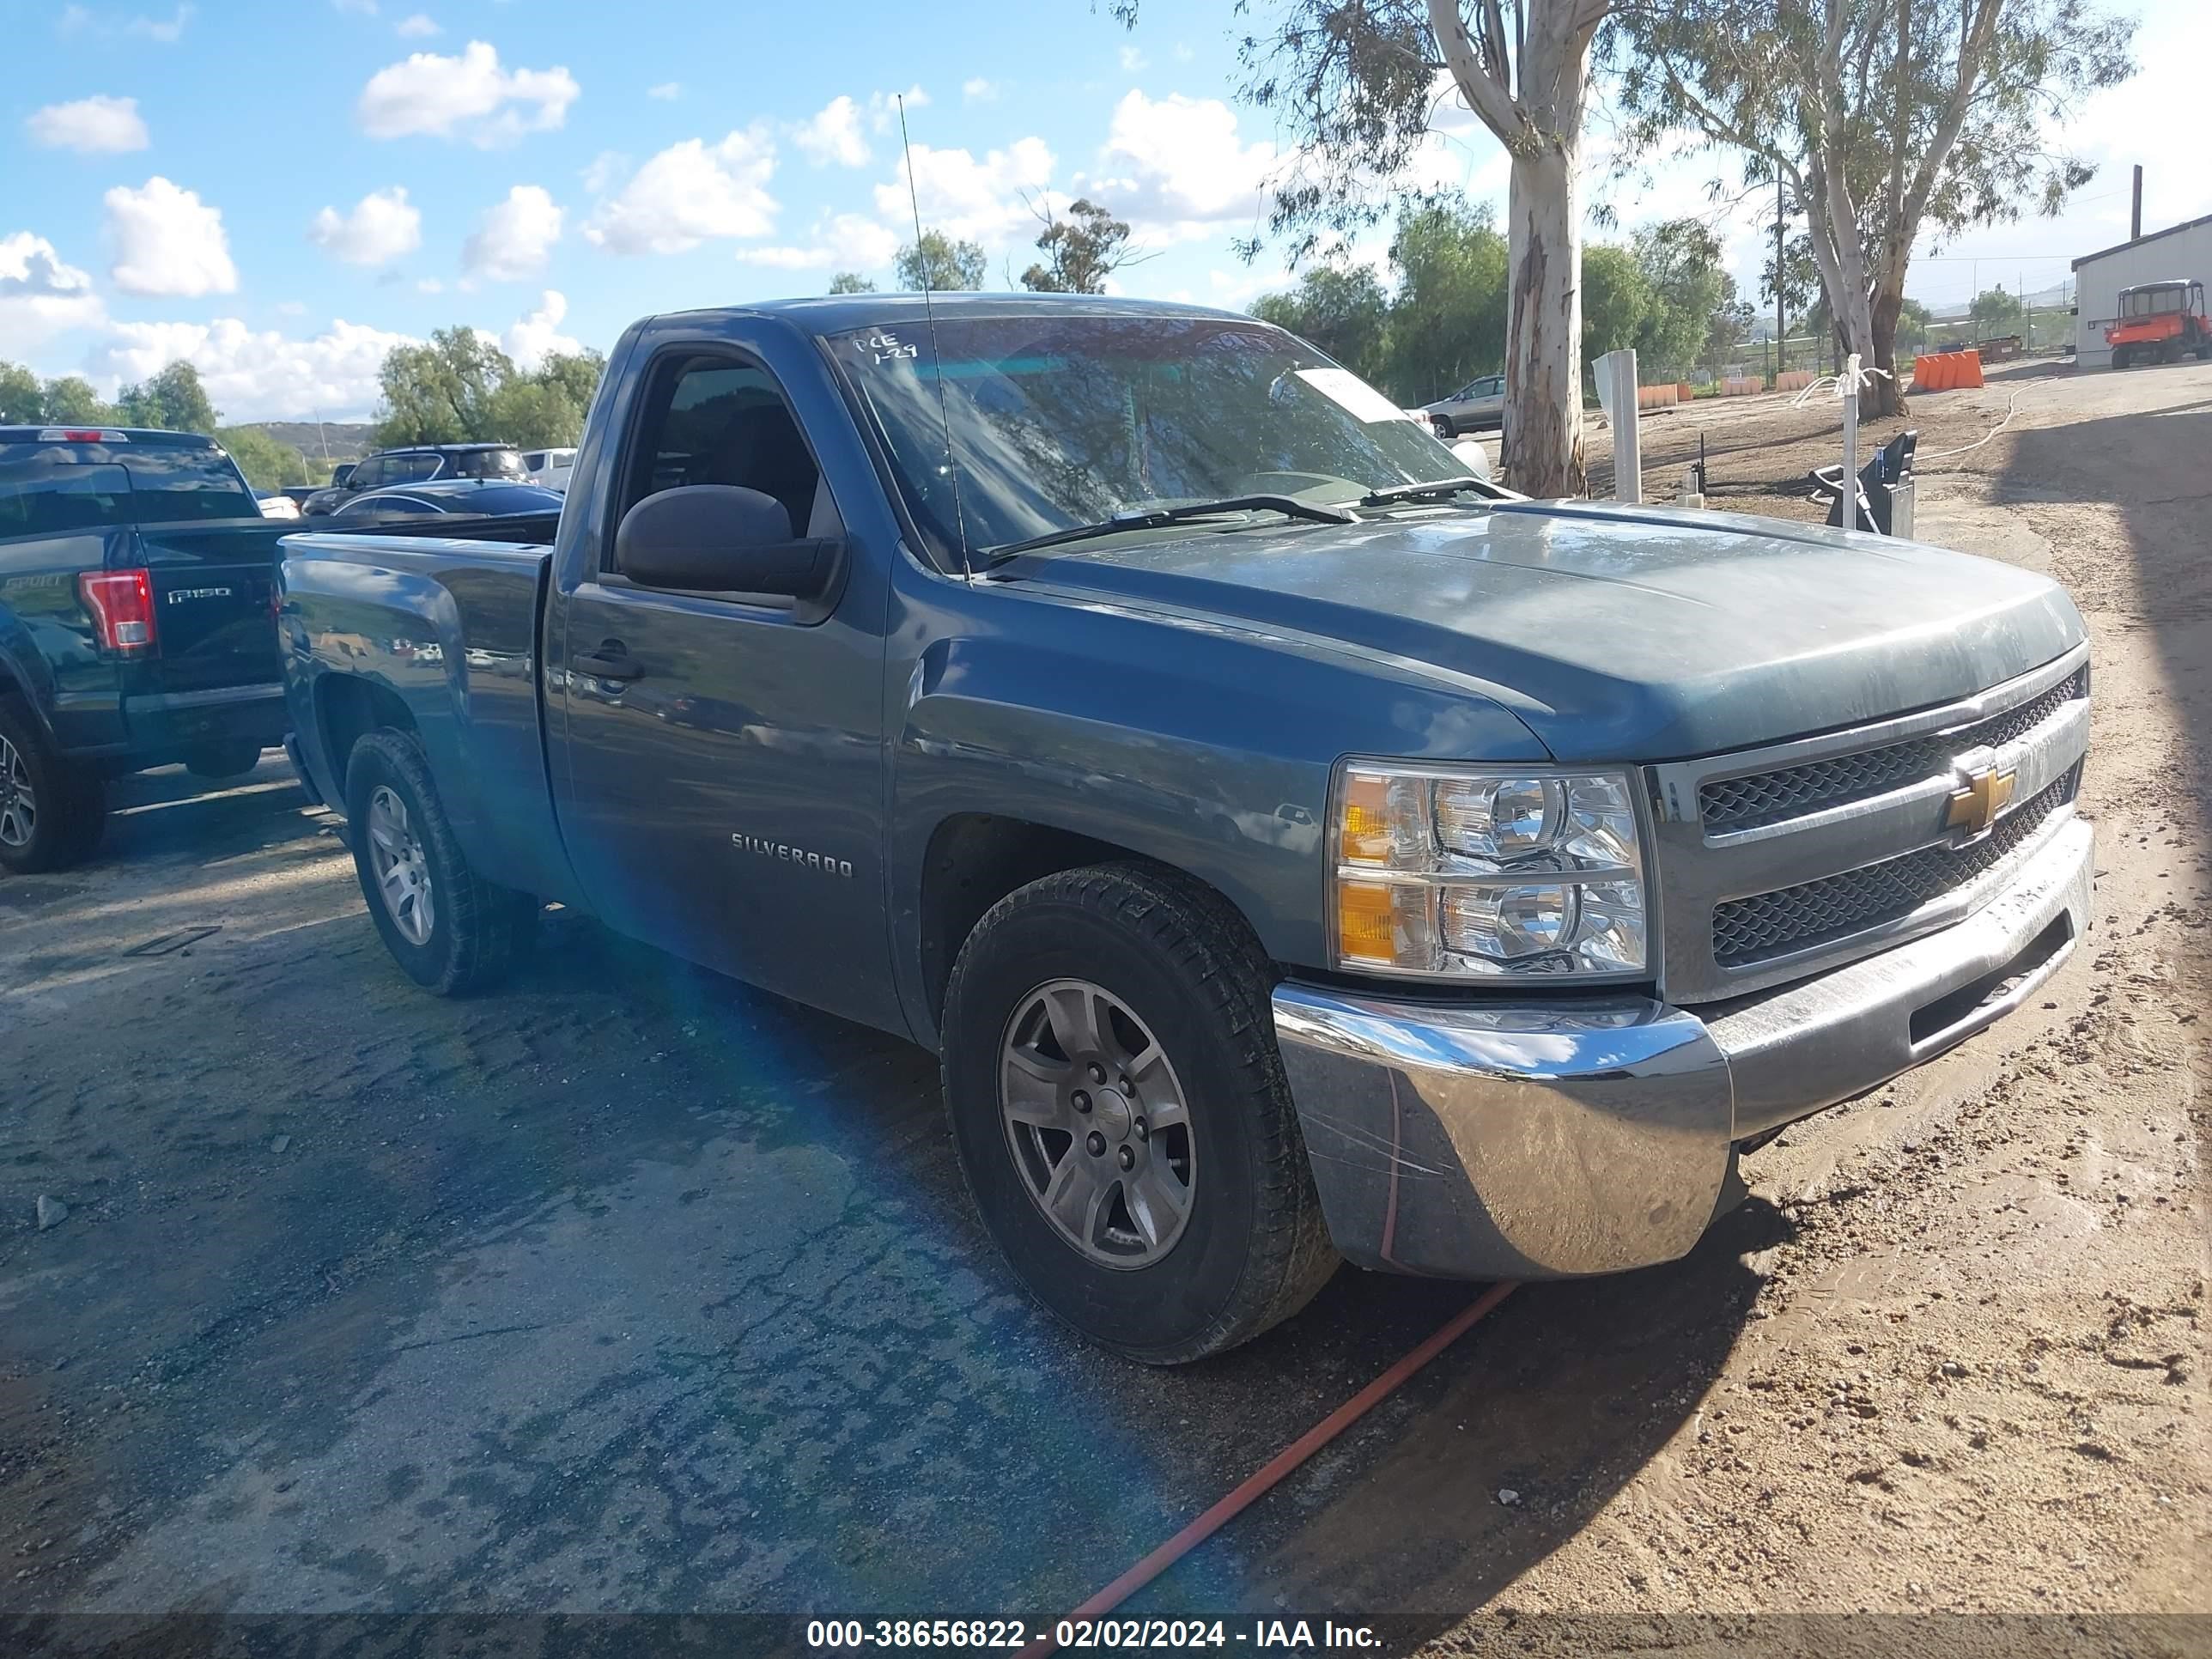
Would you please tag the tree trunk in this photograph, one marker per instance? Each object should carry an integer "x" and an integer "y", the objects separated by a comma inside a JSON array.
[
  {"x": 1544, "y": 326},
  {"x": 1885, "y": 396}
]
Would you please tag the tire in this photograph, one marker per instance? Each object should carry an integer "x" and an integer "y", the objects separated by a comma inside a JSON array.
[
  {"x": 1179, "y": 971},
  {"x": 1443, "y": 428},
  {"x": 2120, "y": 357},
  {"x": 453, "y": 931},
  {"x": 52, "y": 811},
  {"x": 221, "y": 761}
]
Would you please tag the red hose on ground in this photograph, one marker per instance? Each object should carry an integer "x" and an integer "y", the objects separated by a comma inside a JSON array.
[{"x": 1268, "y": 1475}]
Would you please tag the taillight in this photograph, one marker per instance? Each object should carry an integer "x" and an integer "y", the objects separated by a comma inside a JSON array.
[{"x": 122, "y": 606}]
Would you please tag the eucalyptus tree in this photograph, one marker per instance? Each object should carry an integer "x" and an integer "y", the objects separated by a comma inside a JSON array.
[{"x": 1886, "y": 120}]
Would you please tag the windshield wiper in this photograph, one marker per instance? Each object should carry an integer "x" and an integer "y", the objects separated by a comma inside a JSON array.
[
  {"x": 1151, "y": 518},
  {"x": 1420, "y": 489}
]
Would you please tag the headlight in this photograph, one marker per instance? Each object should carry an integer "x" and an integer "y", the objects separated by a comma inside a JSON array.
[{"x": 1475, "y": 874}]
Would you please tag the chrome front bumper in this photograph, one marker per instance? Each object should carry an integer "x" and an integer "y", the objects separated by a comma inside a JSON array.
[{"x": 1486, "y": 1141}]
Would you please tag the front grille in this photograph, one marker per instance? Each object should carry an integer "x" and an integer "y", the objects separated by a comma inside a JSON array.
[
  {"x": 1815, "y": 912},
  {"x": 1793, "y": 792}
]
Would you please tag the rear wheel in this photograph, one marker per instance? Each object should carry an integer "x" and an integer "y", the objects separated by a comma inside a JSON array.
[
  {"x": 52, "y": 810},
  {"x": 452, "y": 930},
  {"x": 1119, "y": 1109},
  {"x": 2121, "y": 357}
]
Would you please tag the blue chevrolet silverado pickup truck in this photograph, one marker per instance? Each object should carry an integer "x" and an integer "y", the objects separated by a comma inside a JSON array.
[{"x": 1296, "y": 850}]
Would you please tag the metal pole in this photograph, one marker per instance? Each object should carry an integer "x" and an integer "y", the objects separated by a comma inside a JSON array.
[
  {"x": 2135, "y": 217},
  {"x": 1851, "y": 390},
  {"x": 1781, "y": 317}
]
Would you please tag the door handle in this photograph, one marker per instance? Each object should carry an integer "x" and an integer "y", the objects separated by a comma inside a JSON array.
[{"x": 611, "y": 661}]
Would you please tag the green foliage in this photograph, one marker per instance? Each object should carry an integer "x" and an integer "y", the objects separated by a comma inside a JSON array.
[
  {"x": 267, "y": 463},
  {"x": 1342, "y": 310},
  {"x": 22, "y": 399},
  {"x": 461, "y": 388},
  {"x": 1682, "y": 267},
  {"x": 1616, "y": 299},
  {"x": 1997, "y": 312},
  {"x": 173, "y": 400},
  {"x": 70, "y": 401},
  {"x": 937, "y": 264},
  {"x": 1448, "y": 319},
  {"x": 1081, "y": 251},
  {"x": 851, "y": 281}
]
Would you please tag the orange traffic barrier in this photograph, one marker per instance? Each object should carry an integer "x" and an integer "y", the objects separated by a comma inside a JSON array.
[
  {"x": 1946, "y": 371},
  {"x": 1656, "y": 397},
  {"x": 1793, "y": 380}
]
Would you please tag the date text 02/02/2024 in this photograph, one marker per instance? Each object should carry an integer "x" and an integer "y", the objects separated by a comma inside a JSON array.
[{"x": 1082, "y": 1634}]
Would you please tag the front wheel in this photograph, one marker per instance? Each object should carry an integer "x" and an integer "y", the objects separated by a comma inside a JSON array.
[
  {"x": 2119, "y": 356},
  {"x": 452, "y": 930},
  {"x": 1119, "y": 1109},
  {"x": 52, "y": 811}
]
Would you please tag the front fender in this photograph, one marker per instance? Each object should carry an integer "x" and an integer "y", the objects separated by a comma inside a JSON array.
[{"x": 1204, "y": 747}]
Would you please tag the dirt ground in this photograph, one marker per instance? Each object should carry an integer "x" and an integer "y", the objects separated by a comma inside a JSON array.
[{"x": 626, "y": 1289}]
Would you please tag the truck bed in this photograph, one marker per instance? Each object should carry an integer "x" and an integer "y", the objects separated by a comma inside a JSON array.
[{"x": 440, "y": 633}]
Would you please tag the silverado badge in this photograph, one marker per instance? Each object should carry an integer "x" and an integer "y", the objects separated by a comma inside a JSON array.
[{"x": 1983, "y": 792}]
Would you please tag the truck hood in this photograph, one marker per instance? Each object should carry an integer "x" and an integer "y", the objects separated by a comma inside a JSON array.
[{"x": 1616, "y": 634}]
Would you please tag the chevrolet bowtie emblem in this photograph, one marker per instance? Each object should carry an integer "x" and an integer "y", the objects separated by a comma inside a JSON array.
[{"x": 1985, "y": 792}]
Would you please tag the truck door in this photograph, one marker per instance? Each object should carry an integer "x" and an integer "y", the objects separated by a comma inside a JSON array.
[{"x": 723, "y": 757}]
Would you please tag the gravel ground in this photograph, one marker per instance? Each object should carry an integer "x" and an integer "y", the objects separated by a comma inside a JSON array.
[{"x": 625, "y": 1288}]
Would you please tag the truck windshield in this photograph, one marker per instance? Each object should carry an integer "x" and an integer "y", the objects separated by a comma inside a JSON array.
[
  {"x": 1059, "y": 421},
  {"x": 54, "y": 488}
]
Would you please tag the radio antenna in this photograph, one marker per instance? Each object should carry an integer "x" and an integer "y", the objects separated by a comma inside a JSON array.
[{"x": 936, "y": 358}]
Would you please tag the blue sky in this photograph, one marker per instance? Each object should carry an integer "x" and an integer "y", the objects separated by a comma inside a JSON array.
[{"x": 281, "y": 191}]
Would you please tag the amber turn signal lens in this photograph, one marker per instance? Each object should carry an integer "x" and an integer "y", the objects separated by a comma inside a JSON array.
[
  {"x": 1366, "y": 921},
  {"x": 1366, "y": 832}
]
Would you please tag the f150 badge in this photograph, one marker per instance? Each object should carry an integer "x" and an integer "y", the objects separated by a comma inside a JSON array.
[
  {"x": 785, "y": 853},
  {"x": 179, "y": 595}
]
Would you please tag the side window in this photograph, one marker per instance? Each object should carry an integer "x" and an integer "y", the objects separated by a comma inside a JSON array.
[
  {"x": 411, "y": 469},
  {"x": 533, "y": 459},
  {"x": 367, "y": 475},
  {"x": 713, "y": 420}
]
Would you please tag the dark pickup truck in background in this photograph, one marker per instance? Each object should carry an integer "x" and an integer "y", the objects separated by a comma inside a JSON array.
[
  {"x": 135, "y": 623},
  {"x": 1295, "y": 850}
]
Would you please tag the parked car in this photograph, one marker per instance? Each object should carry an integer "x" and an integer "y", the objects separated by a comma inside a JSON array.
[
  {"x": 1293, "y": 848},
  {"x": 549, "y": 467},
  {"x": 417, "y": 464},
  {"x": 135, "y": 632},
  {"x": 1477, "y": 403},
  {"x": 455, "y": 497},
  {"x": 275, "y": 504}
]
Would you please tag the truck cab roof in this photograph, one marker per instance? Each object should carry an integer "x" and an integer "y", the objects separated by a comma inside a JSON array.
[{"x": 838, "y": 313}]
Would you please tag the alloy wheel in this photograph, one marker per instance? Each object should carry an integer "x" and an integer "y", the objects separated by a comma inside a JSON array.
[
  {"x": 19, "y": 802},
  {"x": 1097, "y": 1123},
  {"x": 403, "y": 871}
]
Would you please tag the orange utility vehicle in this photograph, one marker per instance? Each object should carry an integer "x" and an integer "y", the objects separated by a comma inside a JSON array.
[{"x": 2159, "y": 322}]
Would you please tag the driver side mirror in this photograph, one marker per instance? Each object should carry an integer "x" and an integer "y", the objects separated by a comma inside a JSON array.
[{"x": 727, "y": 540}]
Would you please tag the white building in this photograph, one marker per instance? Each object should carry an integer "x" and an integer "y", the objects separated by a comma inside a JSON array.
[{"x": 2179, "y": 253}]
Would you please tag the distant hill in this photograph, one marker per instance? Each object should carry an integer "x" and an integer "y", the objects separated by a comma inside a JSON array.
[{"x": 348, "y": 441}]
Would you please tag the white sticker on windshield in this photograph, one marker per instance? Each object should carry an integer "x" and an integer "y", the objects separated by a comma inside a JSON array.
[{"x": 1341, "y": 386}]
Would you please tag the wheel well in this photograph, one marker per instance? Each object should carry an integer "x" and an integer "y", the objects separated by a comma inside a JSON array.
[
  {"x": 976, "y": 859},
  {"x": 349, "y": 709}
]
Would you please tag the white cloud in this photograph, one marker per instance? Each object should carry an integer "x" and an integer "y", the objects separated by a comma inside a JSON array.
[
  {"x": 1132, "y": 60},
  {"x": 41, "y": 296},
  {"x": 381, "y": 227},
  {"x": 168, "y": 241},
  {"x": 257, "y": 375},
  {"x": 515, "y": 236},
  {"x": 429, "y": 285},
  {"x": 74, "y": 18},
  {"x": 469, "y": 96},
  {"x": 606, "y": 166},
  {"x": 533, "y": 337},
  {"x": 833, "y": 134},
  {"x": 155, "y": 28},
  {"x": 667, "y": 91},
  {"x": 359, "y": 8},
  {"x": 1176, "y": 170},
  {"x": 689, "y": 193},
  {"x": 98, "y": 126},
  {"x": 842, "y": 242},
  {"x": 419, "y": 27},
  {"x": 980, "y": 91},
  {"x": 977, "y": 201}
]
